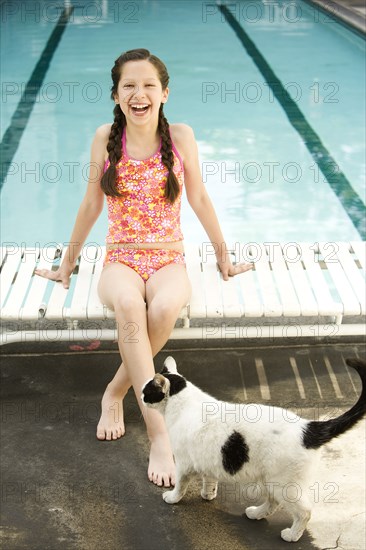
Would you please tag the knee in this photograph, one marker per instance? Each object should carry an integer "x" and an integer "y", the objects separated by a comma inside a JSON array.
[
  {"x": 129, "y": 306},
  {"x": 162, "y": 311}
]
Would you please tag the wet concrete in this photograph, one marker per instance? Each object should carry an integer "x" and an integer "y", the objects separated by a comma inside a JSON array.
[{"x": 64, "y": 489}]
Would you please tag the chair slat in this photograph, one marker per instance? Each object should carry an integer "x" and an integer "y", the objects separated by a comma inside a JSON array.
[
  {"x": 55, "y": 306},
  {"x": 302, "y": 286},
  {"x": 230, "y": 297},
  {"x": 350, "y": 303},
  {"x": 359, "y": 248},
  {"x": 96, "y": 310},
  {"x": 8, "y": 272},
  {"x": 213, "y": 293},
  {"x": 12, "y": 309},
  {"x": 35, "y": 304},
  {"x": 2, "y": 254},
  {"x": 197, "y": 304},
  {"x": 327, "y": 306},
  {"x": 252, "y": 303},
  {"x": 253, "y": 306},
  {"x": 79, "y": 303},
  {"x": 355, "y": 276},
  {"x": 289, "y": 301},
  {"x": 272, "y": 305}
]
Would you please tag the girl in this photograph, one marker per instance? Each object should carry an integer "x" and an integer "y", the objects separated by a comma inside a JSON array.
[{"x": 144, "y": 161}]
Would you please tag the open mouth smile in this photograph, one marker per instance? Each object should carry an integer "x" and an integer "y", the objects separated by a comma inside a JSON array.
[{"x": 139, "y": 108}]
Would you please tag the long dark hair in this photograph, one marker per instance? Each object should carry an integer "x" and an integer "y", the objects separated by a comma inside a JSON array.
[{"x": 114, "y": 146}]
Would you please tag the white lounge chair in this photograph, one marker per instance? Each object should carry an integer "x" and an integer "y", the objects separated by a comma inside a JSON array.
[{"x": 296, "y": 290}]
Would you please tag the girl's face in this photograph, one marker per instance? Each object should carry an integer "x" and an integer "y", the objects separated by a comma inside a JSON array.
[{"x": 140, "y": 93}]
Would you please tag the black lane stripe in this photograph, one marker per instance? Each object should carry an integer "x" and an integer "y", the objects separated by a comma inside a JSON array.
[
  {"x": 351, "y": 202},
  {"x": 19, "y": 120}
]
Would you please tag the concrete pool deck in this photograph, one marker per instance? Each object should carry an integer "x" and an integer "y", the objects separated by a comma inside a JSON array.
[{"x": 64, "y": 489}]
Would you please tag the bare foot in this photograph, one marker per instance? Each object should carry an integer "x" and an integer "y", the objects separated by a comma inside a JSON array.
[
  {"x": 161, "y": 469},
  {"x": 111, "y": 425}
]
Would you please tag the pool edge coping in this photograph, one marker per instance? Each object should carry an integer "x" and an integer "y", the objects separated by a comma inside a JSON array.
[{"x": 337, "y": 10}]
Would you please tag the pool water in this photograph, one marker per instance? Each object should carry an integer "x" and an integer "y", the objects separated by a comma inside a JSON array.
[{"x": 259, "y": 165}]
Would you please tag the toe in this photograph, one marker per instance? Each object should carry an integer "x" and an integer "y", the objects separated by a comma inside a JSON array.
[
  {"x": 166, "y": 480},
  {"x": 100, "y": 434}
]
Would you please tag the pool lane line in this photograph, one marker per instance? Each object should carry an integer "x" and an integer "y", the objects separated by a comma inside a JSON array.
[
  {"x": 19, "y": 120},
  {"x": 338, "y": 182}
]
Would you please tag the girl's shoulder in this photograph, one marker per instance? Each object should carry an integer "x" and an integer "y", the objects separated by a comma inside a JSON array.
[
  {"x": 102, "y": 136},
  {"x": 180, "y": 130},
  {"x": 103, "y": 131},
  {"x": 183, "y": 138}
]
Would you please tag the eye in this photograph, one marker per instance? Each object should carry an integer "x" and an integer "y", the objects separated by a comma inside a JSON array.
[
  {"x": 128, "y": 85},
  {"x": 151, "y": 85}
]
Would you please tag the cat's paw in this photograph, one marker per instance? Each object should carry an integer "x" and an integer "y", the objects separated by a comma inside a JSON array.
[
  {"x": 289, "y": 536},
  {"x": 209, "y": 495},
  {"x": 254, "y": 512},
  {"x": 171, "y": 497}
]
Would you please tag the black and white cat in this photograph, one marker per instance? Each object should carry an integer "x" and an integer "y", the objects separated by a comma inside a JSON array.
[{"x": 222, "y": 442}]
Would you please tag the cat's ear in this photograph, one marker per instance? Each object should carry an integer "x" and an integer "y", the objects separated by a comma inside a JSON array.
[{"x": 170, "y": 366}]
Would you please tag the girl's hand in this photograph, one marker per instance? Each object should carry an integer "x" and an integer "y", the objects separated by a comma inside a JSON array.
[
  {"x": 227, "y": 269},
  {"x": 62, "y": 274}
]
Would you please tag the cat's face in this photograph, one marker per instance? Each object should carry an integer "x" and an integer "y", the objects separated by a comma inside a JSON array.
[
  {"x": 155, "y": 391},
  {"x": 164, "y": 385}
]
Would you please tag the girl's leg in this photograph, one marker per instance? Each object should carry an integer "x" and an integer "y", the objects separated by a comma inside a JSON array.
[
  {"x": 121, "y": 289},
  {"x": 167, "y": 292},
  {"x": 111, "y": 424}
]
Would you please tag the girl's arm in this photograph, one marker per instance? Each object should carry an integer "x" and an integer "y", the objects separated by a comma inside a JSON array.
[
  {"x": 89, "y": 210},
  {"x": 201, "y": 203}
]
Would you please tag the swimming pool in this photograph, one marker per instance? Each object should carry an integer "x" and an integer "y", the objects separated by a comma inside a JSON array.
[{"x": 274, "y": 91}]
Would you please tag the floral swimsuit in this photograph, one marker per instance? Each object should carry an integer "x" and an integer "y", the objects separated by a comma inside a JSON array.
[{"x": 142, "y": 214}]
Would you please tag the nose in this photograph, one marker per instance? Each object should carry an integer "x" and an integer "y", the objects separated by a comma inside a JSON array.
[{"x": 138, "y": 92}]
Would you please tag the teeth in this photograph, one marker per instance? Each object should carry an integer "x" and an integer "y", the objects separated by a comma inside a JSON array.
[{"x": 139, "y": 106}]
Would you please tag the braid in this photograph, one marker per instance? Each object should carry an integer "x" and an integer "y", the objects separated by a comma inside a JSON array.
[
  {"x": 172, "y": 186},
  {"x": 114, "y": 148}
]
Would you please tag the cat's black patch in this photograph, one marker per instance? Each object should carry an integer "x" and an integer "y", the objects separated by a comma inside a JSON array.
[
  {"x": 235, "y": 453},
  {"x": 153, "y": 393},
  {"x": 177, "y": 382}
]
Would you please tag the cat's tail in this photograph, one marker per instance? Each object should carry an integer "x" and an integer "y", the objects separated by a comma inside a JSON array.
[{"x": 317, "y": 433}]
